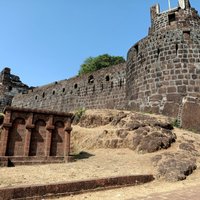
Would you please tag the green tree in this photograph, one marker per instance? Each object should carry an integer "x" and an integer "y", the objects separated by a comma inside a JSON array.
[{"x": 95, "y": 63}]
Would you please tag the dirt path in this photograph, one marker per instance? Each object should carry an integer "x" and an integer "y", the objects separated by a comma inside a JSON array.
[{"x": 101, "y": 163}]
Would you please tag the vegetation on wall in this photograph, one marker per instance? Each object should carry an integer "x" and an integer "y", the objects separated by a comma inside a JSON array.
[{"x": 102, "y": 61}]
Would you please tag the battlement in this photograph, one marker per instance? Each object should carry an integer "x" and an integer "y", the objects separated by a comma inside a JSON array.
[{"x": 180, "y": 17}]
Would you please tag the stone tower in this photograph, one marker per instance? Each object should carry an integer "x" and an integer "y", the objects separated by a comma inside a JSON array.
[{"x": 163, "y": 69}]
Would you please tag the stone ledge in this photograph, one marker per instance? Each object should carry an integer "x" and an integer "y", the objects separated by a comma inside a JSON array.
[
  {"x": 68, "y": 188},
  {"x": 38, "y": 111},
  {"x": 7, "y": 161}
]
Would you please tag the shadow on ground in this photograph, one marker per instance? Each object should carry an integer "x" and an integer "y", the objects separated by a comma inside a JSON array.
[{"x": 82, "y": 155}]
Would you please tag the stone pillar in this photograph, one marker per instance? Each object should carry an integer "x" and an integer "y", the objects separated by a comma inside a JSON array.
[
  {"x": 68, "y": 130},
  {"x": 5, "y": 132},
  {"x": 49, "y": 128},
  {"x": 29, "y": 127},
  {"x": 4, "y": 140}
]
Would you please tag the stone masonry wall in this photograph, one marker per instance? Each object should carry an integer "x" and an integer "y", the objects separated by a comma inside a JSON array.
[
  {"x": 161, "y": 75},
  {"x": 102, "y": 89},
  {"x": 163, "y": 69}
]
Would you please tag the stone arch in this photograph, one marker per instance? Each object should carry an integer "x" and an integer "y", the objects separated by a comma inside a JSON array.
[
  {"x": 107, "y": 78},
  {"x": 16, "y": 136},
  {"x": 91, "y": 79},
  {"x": 57, "y": 140},
  {"x": 38, "y": 135}
]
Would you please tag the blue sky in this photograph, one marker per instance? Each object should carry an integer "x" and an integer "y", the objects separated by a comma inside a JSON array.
[{"x": 43, "y": 41}]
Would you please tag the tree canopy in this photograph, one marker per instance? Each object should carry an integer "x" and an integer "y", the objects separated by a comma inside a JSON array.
[{"x": 102, "y": 61}]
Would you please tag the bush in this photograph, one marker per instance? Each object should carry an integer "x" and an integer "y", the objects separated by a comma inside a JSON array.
[
  {"x": 78, "y": 114},
  {"x": 95, "y": 63}
]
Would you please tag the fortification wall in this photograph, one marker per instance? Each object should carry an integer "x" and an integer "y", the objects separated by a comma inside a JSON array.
[
  {"x": 102, "y": 89},
  {"x": 161, "y": 75},
  {"x": 163, "y": 69}
]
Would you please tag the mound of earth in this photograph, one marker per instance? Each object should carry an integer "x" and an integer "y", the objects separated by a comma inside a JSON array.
[
  {"x": 172, "y": 153},
  {"x": 139, "y": 132}
]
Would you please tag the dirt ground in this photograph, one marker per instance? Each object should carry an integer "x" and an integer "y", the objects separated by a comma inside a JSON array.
[
  {"x": 103, "y": 163},
  {"x": 99, "y": 163}
]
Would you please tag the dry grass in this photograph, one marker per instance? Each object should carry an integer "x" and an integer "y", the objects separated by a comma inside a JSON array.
[{"x": 101, "y": 163}]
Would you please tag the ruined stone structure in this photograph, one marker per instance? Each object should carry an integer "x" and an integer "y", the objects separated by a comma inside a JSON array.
[
  {"x": 29, "y": 136},
  {"x": 10, "y": 85},
  {"x": 161, "y": 75}
]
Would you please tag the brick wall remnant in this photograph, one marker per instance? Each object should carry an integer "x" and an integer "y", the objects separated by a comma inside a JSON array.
[{"x": 28, "y": 133}]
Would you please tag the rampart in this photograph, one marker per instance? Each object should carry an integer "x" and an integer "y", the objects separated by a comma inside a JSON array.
[
  {"x": 102, "y": 89},
  {"x": 29, "y": 135},
  {"x": 161, "y": 75},
  {"x": 163, "y": 69}
]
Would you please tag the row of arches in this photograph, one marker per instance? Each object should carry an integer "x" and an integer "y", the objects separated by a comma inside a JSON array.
[{"x": 37, "y": 140}]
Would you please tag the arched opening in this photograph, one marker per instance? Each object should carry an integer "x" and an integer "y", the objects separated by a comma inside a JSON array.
[
  {"x": 158, "y": 52},
  {"x": 58, "y": 136},
  {"x": 91, "y": 79},
  {"x": 107, "y": 78},
  {"x": 120, "y": 83},
  {"x": 93, "y": 89},
  {"x": 16, "y": 138},
  {"x": 10, "y": 88},
  {"x": 176, "y": 49},
  {"x": 111, "y": 85},
  {"x": 101, "y": 86},
  {"x": 38, "y": 135}
]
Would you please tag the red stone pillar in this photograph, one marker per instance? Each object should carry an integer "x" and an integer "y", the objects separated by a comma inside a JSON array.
[
  {"x": 29, "y": 127},
  {"x": 68, "y": 130},
  {"x": 5, "y": 133},
  {"x": 4, "y": 140},
  {"x": 49, "y": 128}
]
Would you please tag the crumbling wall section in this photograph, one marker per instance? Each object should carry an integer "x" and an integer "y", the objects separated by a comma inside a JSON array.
[{"x": 10, "y": 85}]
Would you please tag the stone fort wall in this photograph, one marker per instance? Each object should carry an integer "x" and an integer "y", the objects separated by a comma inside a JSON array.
[
  {"x": 102, "y": 89},
  {"x": 163, "y": 69},
  {"x": 161, "y": 75}
]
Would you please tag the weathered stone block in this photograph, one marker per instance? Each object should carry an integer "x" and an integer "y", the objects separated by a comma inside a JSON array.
[
  {"x": 171, "y": 109},
  {"x": 191, "y": 116}
]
